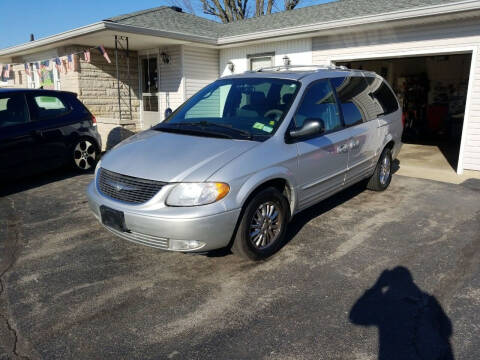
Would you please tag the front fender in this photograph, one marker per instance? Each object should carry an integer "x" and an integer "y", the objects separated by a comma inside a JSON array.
[{"x": 259, "y": 178}]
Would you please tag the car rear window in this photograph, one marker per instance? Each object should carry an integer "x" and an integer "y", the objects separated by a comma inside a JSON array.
[
  {"x": 386, "y": 102},
  {"x": 352, "y": 92},
  {"x": 49, "y": 106}
]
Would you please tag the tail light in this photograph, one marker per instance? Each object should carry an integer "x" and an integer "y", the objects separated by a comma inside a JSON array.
[{"x": 94, "y": 121}]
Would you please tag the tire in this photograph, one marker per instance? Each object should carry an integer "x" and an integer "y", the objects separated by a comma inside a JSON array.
[
  {"x": 84, "y": 154},
  {"x": 271, "y": 228},
  {"x": 382, "y": 176}
]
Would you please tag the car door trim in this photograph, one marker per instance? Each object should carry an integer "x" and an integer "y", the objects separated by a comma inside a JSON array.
[{"x": 325, "y": 178}]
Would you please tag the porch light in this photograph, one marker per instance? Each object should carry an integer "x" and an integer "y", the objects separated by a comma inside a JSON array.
[
  {"x": 286, "y": 60},
  {"x": 165, "y": 58},
  {"x": 231, "y": 66}
]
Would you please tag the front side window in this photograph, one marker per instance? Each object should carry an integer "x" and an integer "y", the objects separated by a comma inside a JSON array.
[
  {"x": 319, "y": 104},
  {"x": 242, "y": 107},
  {"x": 354, "y": 96},
  {"x": 48, "y": 107},
  {"x": 13, "y": 110}
]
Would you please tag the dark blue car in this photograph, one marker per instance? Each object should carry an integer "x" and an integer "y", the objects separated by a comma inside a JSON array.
[{"x": 45, "y": 129}]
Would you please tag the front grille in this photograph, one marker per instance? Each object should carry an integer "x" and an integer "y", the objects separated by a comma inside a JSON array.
[{"x": 127, "y": 188}]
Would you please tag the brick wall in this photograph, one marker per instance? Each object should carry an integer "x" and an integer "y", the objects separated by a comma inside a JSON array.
[{"x": 98, "y": 91}]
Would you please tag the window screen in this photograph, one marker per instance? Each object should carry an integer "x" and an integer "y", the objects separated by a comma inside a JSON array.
[
  {"x": 319, "y": 103},
  {"x": 386, "y": 102},
  {"x": 356, "y": 103}
]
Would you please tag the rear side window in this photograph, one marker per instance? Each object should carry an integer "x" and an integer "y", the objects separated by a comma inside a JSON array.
[
  {"x": 356, "y": 103},
  {"x": 382, "y": 94},
  {"x": 13, "y": 110},
  {"x": 319, "y": 103},
  {"x": 49, "y": 106}
]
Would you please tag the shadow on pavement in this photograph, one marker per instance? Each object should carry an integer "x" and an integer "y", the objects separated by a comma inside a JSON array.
[
  {"x": 411, "y": 323},
  {"x": 10, "y": 187},
  {"x": 305, "y": 216}
]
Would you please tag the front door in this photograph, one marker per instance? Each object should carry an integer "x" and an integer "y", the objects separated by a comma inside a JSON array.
[
  {"x": 17, "y": 137},
  {"x": 322, "y": 160},
  {"x": 150, "y": 97}
]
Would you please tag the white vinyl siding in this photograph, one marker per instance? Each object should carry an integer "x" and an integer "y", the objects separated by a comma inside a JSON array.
[
  {"x": 411, "y": 41},
  {"x": 200, "y": 69},
  {"x": 299, "y": 52},
  {"x": 171, "y": 87}
]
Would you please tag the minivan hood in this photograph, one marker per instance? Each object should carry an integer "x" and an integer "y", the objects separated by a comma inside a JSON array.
[{"x": 170, "y": 157}]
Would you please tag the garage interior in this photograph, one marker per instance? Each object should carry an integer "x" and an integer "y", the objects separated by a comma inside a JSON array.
[{"x": 432, "y": 91}]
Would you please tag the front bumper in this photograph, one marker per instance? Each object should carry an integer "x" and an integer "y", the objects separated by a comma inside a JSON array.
[{"x": 165, "y": 232}]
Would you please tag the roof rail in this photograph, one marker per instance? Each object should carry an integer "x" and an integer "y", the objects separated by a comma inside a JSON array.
[{"x": 301, "y": 67}]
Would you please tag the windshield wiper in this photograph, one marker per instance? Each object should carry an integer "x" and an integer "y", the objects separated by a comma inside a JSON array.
[
  {"x": 191, "y": 131},
  {"x": 222, "y": 126}
]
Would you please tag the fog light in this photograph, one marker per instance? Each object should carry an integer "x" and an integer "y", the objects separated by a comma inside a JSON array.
[{"x": 182, "y": 245}]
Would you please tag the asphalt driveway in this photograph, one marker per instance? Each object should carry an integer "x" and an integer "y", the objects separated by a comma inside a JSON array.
[{"x": 364, "y": 276}]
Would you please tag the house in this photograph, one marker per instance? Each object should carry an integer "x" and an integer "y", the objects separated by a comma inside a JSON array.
[{"x": 427, "y": 49}]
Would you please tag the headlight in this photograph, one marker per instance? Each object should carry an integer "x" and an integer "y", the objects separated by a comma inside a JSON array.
[{"x": 194, "y": 194}]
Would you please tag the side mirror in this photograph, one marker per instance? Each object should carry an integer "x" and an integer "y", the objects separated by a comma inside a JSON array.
[
  {"x": 168, "y": 112},
  {"x": 311, "y": 127}
]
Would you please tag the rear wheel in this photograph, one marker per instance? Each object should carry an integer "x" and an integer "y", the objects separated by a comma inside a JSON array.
[
  {"x": 262, "y": 228},
  {"x": 84, "y": 155},
  {"x": 383, "y": 172}
]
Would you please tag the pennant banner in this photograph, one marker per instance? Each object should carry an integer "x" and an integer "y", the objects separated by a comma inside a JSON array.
[{"x": 63, "y": 64}]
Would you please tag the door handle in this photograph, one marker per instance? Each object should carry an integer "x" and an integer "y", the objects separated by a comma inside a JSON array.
[{"x": 342, "y": 148}]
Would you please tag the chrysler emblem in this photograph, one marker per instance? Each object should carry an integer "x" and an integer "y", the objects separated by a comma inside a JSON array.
[{"x": 120, "y": 187}]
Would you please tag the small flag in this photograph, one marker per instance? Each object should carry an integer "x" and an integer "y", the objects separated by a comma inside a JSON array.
[
  {"x": 58, "y": 64},
  {"x": 104, "y": 53},
  {"x": 6, "y": 71},
  {"x": 70, "y": 62},
  {"x": 86, "y": 55},
  {"x": 37, "y": 67},
  {"x": 27, "y": 70},
  {"x": 64, "y": 64}
]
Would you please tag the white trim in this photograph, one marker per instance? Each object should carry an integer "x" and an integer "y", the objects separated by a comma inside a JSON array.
[
  {"x": 435, "y": 51},
  {"x": 468, "y": 105}
]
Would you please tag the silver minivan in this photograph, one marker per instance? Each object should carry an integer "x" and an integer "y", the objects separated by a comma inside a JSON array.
[{"x": 234, "y": 163}]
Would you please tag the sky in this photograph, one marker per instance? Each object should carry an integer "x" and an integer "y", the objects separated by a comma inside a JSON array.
[{"x": 44, "y": 18}]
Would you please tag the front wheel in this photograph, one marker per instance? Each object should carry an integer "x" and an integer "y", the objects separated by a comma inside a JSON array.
[
  {"x": 383, "y": 172},
  {"x": 261, "y": 231},
  {"x": 84, "y": 155}
]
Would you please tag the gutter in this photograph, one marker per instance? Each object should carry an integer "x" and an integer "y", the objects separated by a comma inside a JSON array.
[{"x": 70, "y": 34}]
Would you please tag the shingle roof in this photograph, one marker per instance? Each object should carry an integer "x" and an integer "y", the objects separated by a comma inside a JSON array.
[
  {"x": 168, "y": 19},
  {"x": 165, "y": 18}
]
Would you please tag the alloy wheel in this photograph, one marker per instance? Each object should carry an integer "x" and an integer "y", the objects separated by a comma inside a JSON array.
[
  {"x": 385, "y": 168},
  {"x": 265, "y": 225},
  {"x": 84, "y": 155}
]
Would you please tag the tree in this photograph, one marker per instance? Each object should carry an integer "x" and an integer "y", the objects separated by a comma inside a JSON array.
[{"x": 233, "y": 10}]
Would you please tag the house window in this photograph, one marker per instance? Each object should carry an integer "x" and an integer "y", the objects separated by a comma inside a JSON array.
[
  {"x": 258, "y": 61},
  {"x": 150, "y": 76}
]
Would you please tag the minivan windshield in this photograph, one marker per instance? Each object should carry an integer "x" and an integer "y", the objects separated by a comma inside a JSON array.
[{"x": 239, "y": 108}]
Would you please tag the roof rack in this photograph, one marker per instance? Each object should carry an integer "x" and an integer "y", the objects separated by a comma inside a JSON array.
[{"x": 301, "y": 67}]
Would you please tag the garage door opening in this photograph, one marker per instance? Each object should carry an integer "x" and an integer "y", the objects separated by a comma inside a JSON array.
[{"x": 432, "y": 91}]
